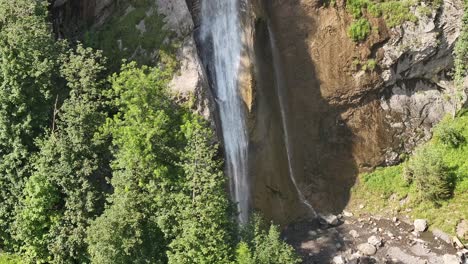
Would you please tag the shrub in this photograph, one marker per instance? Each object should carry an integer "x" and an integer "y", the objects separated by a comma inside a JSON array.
[
  {"x": 430, "y": 175},
  {"x": 449, "y": 135},
  {"x": 355, "y": 7},
  {"x": 359, "y": 30},
  {"x": 371, "y": 64}
]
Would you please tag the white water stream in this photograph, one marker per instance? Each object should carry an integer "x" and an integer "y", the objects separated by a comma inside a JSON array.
[
  {"x": 220, "y": 25},
  {"x": 281, "y": 98}
]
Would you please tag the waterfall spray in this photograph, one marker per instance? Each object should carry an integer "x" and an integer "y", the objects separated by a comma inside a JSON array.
[{"x": 220, "y": 26}]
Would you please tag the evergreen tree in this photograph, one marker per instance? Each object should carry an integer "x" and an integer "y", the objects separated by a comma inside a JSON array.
[
  {"x": 206, "y": 228},
  {"x": 67, "y": 187},
  {"x": 263, "y": 245},
  {"x": 27, "y": 71}
]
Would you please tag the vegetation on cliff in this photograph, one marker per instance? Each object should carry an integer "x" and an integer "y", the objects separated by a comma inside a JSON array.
[
  {"x": 105, "y": 167},
  {"x": 394, "y": 13},
  {"x": 431, "y": 184}
]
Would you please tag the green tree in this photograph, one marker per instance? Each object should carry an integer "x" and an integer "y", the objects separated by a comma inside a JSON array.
[
  {"x": 262, "y": 245},
  {"x": 428, "y": 172},
  {"x": 66, "y": 189},
  {"x": 27, "y": 71},
  {"x": 205, "y": 213},
  {"x": 145, "y": 134}
]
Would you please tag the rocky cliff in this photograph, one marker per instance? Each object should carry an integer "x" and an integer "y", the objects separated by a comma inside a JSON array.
[{"x": 343, "y": 117}]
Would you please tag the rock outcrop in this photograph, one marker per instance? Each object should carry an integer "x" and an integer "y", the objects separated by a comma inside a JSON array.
[
  {"x": 342, "y": 119},
  {"x": 189, "y": 82}
]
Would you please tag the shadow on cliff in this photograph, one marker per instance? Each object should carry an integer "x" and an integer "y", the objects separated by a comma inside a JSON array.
[{"x": 320, "y": 143}]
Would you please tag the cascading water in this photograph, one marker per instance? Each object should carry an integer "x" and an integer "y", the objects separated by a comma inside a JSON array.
[
  {"x": 282, "y": 106},
  {"x": 220, "y": 26}
]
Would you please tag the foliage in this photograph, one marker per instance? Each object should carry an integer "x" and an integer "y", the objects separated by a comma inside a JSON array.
[
  {"x": 371, "y": 64},
  {"x": 461, "y": 51},
  {"x": 386, "y": 189},
  {"x": 9, "y": 259},
  {"x": 206, "y": 229},
  {"x": 68, "y": 184},
  {"x": 394, "y": 12},
  {"x": 359, "y": 30},
  {"x": 262, "y": 245},
  {"x": 430, "y": 175},
  {"x": 120, "y": 37},
  {"x": 448, "y": 134},
  {"x": 144, "y": 135},
  {"x": 355, "y": 7},
  {"x": 243, "y": 254},
  {"x": 386, "y": 181},
  {"x": 27, "y": 71},
  {"x": 126, "y": 233}
]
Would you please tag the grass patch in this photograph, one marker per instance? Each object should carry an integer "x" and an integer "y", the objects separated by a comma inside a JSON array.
[
  {"x": 394, "y": 12},
  {"x": 359, "y": 30},
  {"x": 9, "y": 259},
  {"x": 383, "y": 189}
]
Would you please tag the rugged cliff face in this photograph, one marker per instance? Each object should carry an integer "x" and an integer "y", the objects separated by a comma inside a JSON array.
[{"x": 342, "y": 117}]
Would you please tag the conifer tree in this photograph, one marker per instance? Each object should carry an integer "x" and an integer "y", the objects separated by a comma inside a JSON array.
[
  {"x": 205, "y": 215},
  {"x": 27, "y": 70},
  {"x": 68, "y": 184}
]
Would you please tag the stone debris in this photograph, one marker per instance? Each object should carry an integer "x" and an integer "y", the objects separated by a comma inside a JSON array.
[
  {"x": 338, "y": 260},
  {"x": 420, "y": 225},
  {"x": 347, "y": 214},
  {"x": 376, "y": 241},
  {"x": 451, "y": 259},
  {"x": 354, "y": 233},
  {"x": 367, "y": 249}
]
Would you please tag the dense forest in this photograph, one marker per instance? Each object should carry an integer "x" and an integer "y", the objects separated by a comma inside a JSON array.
[{"x": 101, "y": 166}]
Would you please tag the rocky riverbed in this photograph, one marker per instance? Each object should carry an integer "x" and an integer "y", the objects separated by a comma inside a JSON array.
[{"x": 369, "y": 239}]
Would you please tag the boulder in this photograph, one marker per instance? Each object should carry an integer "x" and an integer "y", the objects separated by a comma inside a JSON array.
[
  {"x": 330, "y": 219},
  {"x": 338, "y": 260},
  {"x": 376, "y": 241},
  {"x": 367, "y": 249},
  {"x": 420, "y": 225},
  {"x": 451, "y": 259}
]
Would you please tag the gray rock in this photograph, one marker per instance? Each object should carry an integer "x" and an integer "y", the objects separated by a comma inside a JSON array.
[
  {"x": 376, "y": 241},
  {"x": 420, "y": 225},
  {"x": 338, "y": 260},
  {"x": 367, "y": 249},
  {"x": 354, "y": 233},
  {"x": 330, "y": 219},
  {"x": 451, "y": 259},
  {"x": 347, "y": 214}
]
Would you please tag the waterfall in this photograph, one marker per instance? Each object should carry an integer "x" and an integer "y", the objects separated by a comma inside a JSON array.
[
  {"x": 281, "y": 98},
  {"x": 220, "y": 28}
]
